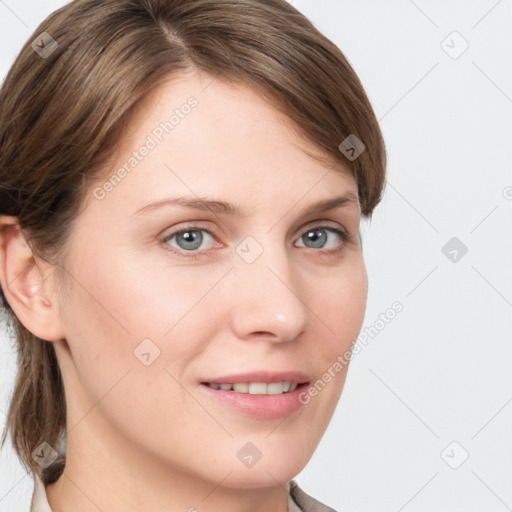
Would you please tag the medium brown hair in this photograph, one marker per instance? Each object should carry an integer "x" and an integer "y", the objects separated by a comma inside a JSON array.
[{"x": 61, "y": 116}]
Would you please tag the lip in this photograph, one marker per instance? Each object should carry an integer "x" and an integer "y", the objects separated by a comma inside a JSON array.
[
  {"x": 258, "y": 406},
  {"x": 260, "y": 376}
]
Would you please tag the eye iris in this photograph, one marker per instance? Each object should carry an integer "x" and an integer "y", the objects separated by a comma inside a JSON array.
[
  {"x": 317, "y": 236},
  {"x": 190, "y": 237}
]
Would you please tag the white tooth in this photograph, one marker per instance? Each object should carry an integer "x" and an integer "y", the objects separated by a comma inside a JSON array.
[
  {"x": 275, "y": 388},
  {"x": 241, "y": 387},
  {"x": 258, "y": 388}
]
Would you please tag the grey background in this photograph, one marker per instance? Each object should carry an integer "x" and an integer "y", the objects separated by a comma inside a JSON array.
[{"x": 434, "y": 385}]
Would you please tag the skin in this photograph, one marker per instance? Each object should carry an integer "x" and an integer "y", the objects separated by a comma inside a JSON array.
[{"x": 147, "y": 438}]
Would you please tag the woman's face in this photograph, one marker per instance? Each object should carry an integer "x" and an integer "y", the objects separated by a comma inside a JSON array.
[{"x": 153, "y": 314}]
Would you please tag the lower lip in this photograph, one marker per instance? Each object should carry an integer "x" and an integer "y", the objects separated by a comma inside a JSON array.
[{"x": 259, "y": 406}]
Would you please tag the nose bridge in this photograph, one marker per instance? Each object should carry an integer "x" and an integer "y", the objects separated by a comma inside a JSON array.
[{"x": 265, "y": 292}]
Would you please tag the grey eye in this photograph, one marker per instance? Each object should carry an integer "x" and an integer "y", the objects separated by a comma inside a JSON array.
[
  {"x": 316, "y": 238},
  {"x": 188, "y": 239}
]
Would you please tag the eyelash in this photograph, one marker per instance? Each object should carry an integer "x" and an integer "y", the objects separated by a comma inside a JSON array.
[{"x": 345, "y": 236}]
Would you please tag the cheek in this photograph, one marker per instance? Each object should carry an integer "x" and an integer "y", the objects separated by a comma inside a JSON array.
[
  {"x": 121, "y": 299},
  {"x": 106, "y": 319},
  {"x": 341, "y": 304},
  {"x": 341, "y": 307},
  {"x": 119, "y": 311}
]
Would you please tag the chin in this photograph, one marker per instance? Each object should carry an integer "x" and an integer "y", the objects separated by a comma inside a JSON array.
[{"x": 264, "y": 473}]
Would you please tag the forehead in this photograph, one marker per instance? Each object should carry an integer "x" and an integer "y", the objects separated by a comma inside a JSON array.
[{"x": 207, "y": 136}]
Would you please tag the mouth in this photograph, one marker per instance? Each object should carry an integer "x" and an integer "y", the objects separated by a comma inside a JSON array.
[{"x": 262, "y": 400}]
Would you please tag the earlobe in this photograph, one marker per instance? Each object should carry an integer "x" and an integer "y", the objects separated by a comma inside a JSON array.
[{"x": 23, "y": 283}]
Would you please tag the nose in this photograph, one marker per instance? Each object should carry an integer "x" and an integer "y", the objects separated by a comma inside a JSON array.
[{"x": 266, "y": 298}]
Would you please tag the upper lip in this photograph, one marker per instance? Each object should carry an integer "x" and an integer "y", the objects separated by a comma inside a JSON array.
[{"x": 261, "y": 376}]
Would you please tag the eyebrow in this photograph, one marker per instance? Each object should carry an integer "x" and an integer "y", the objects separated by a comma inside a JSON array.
[{"x": 225, "y": 208}]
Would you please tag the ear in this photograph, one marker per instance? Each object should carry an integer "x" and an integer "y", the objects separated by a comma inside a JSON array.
[{"x": 23, "y": 283}]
